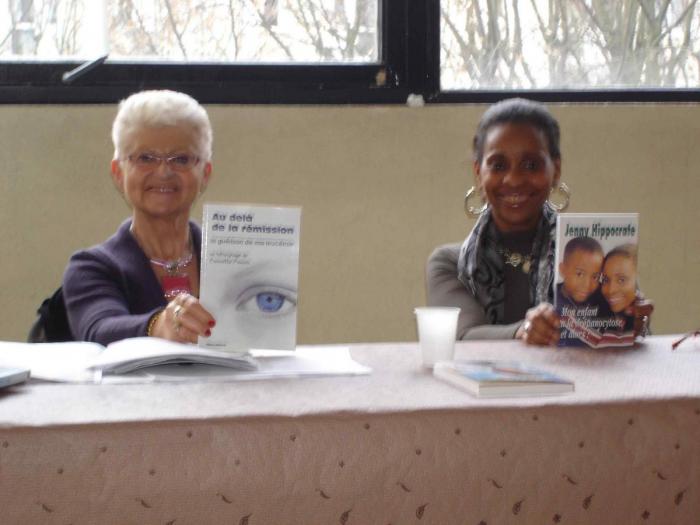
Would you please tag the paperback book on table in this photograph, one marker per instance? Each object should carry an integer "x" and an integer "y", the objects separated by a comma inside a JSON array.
[
  {"x": 249, "y": 276},
  {"x": 500, "y": 378},
  {"x": 596, "y": 278}
]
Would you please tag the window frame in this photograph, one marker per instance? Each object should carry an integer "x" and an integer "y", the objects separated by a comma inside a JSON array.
[{"x": 409, "y": 62}]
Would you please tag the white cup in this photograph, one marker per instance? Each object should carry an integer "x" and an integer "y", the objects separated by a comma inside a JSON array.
[{"x": 437, "y": 331}]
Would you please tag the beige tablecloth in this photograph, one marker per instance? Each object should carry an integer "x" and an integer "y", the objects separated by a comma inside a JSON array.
[{"x": 394, "y": 447}]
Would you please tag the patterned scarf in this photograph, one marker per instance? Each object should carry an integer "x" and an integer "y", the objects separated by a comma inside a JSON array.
[{"x": 481, "y": 267}]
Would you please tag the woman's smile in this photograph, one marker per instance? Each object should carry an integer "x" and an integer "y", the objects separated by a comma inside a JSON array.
[
  {"x": 514, "y": 200},
  {"x": 162, "y": 188}
]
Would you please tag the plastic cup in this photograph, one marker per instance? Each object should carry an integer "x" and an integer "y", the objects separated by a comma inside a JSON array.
[{"x": 437, "y": 331}]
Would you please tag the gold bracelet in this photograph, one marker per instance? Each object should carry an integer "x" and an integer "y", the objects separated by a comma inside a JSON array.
[{"x": 152, "y": 323}]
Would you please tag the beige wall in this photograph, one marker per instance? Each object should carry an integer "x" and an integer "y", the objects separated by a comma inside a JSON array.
[{"x": 380, "y": 187}]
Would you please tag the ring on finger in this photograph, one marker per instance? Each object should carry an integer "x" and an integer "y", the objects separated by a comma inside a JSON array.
[
  {"x": 177, "y": 311},
  {"x": 527, "y": 325}
]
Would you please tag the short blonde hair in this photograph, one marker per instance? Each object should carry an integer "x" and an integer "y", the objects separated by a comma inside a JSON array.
[{"x": 159, "y": 108}]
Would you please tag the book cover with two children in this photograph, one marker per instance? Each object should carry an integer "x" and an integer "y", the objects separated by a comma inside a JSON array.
[{"x": 596, "y": 278}]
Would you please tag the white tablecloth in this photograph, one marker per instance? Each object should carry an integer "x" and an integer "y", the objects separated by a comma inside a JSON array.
[{"x": 394, "y": 447}]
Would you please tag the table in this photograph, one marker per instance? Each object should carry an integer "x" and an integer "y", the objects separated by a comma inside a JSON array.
[{"x": 394, "y": 447}]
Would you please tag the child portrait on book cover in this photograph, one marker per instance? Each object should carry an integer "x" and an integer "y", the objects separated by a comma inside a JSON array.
[{"x": 597, "y": 293}]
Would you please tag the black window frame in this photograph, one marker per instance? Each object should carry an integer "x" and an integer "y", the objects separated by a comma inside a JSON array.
[{"x": 409, "y": 63}]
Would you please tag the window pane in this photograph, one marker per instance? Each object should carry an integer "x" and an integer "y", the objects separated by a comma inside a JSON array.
[
  {"x": 191, "y": 30},
  {"x": 577, "y": 44}
]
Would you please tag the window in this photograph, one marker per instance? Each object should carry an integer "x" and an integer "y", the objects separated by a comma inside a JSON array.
[
  {"x": 226, "y": 31},
  {"x": 350, "y": 51},
  {"x": 569, "y": 44},
  {"x": 246, "y": 51}
]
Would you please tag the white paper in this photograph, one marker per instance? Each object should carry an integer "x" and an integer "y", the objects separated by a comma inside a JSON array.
[
  {"x": 317, "y": 361},
  {"x": 75, "y": 362}
]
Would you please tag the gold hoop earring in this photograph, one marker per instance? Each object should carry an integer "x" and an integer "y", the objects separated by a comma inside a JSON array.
[
  {"x": 471, "y": 211},
  {"x": 565, "y": 191}
]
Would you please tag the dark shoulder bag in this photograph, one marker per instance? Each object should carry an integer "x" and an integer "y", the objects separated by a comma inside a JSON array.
[{"x": 51, "y": 324}]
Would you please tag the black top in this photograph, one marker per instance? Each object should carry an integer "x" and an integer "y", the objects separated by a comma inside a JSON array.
[{"x": 517, "y": 282}]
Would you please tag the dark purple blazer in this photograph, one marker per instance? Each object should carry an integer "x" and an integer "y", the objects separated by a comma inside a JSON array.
[{"x": 110, "y": 289}]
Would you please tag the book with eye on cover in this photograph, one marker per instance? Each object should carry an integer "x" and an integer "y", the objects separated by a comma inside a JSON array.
[
  {"x": 501, "y": 378},
  {"x": 595, "y": 285},
  {"x": 249, "y": 276}
]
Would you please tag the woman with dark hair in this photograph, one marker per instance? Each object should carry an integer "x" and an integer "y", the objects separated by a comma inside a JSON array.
[{"x": 501, "y": 276}]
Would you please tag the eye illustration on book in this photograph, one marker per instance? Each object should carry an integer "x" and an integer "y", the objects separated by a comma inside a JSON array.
[
  {"x": 263, "y": 291},
  {"x": 267, "y": 300}
]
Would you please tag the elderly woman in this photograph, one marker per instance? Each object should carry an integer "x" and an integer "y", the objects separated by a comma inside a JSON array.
[
  {"x": 144, "y": 279},
  {"x": 501, "y": 276}
]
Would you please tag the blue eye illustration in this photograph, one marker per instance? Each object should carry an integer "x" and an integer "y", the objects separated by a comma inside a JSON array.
[
  {"x": 270, "y": 301},
  {"x": 267, "y": 300}
]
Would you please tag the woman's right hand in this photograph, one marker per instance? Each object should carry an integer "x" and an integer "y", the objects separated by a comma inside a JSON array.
[
  {"x": 642, "y": 310},
  {"x": 183, "y": 320},
  {"x": 540, "y": 327}
]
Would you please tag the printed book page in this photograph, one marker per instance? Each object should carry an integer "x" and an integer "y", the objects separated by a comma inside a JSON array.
[
  {"x": 249, "y": 276},
  {"x": 596, "y": 278},
  {"x": 132, "y": 354}
]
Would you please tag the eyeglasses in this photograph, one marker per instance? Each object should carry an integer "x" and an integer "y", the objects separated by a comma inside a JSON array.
[{"x": 151, "y": 161}]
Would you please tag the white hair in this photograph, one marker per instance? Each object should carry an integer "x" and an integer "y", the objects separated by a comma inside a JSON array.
[{"x": 159, "y": 108}]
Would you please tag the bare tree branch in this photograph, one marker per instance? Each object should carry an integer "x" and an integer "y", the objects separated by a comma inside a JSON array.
[
  {"x": 267, "y": 26},
  {"x": 144, "y": 31},
  {"x": 173, "y": 24}
]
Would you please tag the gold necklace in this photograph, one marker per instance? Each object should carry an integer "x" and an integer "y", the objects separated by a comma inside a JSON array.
[{"x": 516, "y": 259}]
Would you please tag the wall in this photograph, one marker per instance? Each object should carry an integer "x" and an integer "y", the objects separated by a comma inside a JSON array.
[{"x": 380, "y": 187}]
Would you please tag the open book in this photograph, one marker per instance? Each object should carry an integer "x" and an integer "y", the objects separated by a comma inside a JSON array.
[
  {"x": 500, "y": 378},
  {"x": 127, "y": 355},
  {"x": 149, "y": 359}
]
